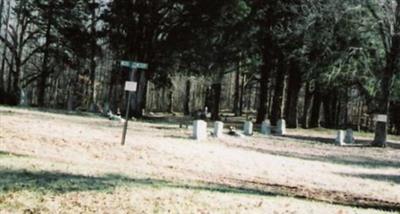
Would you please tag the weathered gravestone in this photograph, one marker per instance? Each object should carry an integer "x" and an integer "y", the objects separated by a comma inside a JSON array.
[
  {"x": 199, "y": 130},
  {"x": 349, "y": 136},
  {"x": 266, "y": 127},
  {"x": 281, "y": 127},
  {"x": 340, "y": 138},
  {"x": 218, "y": 127},
  {"x": 248, "y": 128}
]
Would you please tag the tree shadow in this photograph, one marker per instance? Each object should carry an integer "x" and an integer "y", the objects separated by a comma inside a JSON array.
[
  {"x": 165, "y": 127},
  {"x": 6, "y": 112},
  {"x": 377, "y": 177},
  {"x": 326, "y": 140},
  {"x": 57, "y": 182},
  {"x": 8, "y": 154},
  {"x": 178, "y": 137},
  {"x": 358, "y": 160}
]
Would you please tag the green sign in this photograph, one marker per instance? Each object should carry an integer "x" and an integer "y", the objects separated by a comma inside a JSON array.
[{"x": 134, "y": 65}]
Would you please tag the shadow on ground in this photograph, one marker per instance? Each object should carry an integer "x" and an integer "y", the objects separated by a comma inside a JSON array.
[
  {"x": 360, "y": 143},
  {"x": 378, "y": 177},
  {"x": 342, "y": 159},
  {"x": 8, "y": 154},
  {"x": 56, "y": 182}
]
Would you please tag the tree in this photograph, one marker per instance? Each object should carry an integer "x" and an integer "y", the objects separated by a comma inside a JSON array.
[
  {"x": 390, "y": 34},
  {"x": 18, "y": 41}
]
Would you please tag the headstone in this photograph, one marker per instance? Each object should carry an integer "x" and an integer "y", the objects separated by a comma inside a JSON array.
[
  {"x": 340, "y": 138},
  {"x": 266, "y": 127},
  {"x": 248, "y": 128},
  {"x": 349, "y": 136},
  {"x": 218, "y": 127},
  {"x": 281, "y": 127},
  {"x": 199, "y": 130}
]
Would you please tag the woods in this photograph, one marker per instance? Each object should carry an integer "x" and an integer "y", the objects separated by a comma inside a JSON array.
[{"x": 319, "y": 63}]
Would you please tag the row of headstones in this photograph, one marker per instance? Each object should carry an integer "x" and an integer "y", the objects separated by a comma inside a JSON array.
[
  {"x": 200, "y": 131},
  {"x": 200, "y": 128},
  {"x": 344, "y": 137}
]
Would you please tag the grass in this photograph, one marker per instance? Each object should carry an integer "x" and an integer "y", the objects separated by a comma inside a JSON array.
[
  {"x": 25, "y": 187},
  {"x": 73, "y": 164}
]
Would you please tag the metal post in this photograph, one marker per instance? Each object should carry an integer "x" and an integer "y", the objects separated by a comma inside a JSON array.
[{"x": 127, "y": 110}]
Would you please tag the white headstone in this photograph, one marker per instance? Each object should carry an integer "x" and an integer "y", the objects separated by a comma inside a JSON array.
[
  {"x": 266, "y": 127},
  {"x": 199, "y": 130},
  {"x": 340, "y": 138},
  {"x": 218, "y": 127},
  {"x": 349, "y": 136},
  {"x": 281, "y": 127},
  {"x": 248, "y": 128}
]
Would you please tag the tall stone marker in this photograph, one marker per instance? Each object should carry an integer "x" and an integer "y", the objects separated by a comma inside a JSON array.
[
  {"x": 199, "y": 130},
  {"x": 281, "y": 127},
  {"x": 218, "y": 127},
  {"x": 349, "y": 136},
  {"x": 248, "y": 128},
  {"x": 266, "y": 127},
  {"x": 340, "y": 138}
]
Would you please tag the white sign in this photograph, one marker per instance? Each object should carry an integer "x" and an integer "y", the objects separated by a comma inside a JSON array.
[
  {"x": 134, "y": 65},
  {"x": 381, "y": 118},
  {"x": 130, "y": 86},
  {"x": 125, "y": 64}
]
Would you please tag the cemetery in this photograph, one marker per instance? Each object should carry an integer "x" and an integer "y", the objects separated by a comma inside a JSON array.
[
  {"x": 74, "y": 160},
  {"x": 199, "y": 106}
]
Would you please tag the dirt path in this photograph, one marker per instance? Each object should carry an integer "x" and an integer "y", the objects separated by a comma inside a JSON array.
[{"x": 288, "y": 166}]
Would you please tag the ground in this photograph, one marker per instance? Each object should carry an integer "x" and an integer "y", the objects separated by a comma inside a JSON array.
[{"x": 59, "y": 163}]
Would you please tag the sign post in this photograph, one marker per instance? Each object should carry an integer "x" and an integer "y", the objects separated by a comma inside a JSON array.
[{"x": 130, "y": 87}]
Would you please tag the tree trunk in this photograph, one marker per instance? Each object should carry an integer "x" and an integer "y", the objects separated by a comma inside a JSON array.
[
  {"x": 171, "y": 101},
  {"x": 359, "y": 115},
  {"x": 216, "y": 91},
  {"x": 111, "y": 99},
  {"x": 392, "y": 60},
  {"x": 236, "y": 101},
  {"x": 16, "y": 80},
  {"x": 381, "y": 127},
  {"x": 1, "y": 13},
  {"x": 276, "y": 112},
  {"x": 186, "y": 107},
  {"x": 292, "y": 98},
  {"x": 307, "y": 103},
  {"x": 241, "y": 96},
  {"x": 329, "y": 102},
  {"x": 315, "y": 111},
  {"x": 140, "y": 96},
  {"x": 4, "y": 55},
  {"x": 2, "y": 69},
  {"x": 92, "y": 91},
  {"x": 267, "y": 60},
  {"x": 45, "y": 69},
  {"x": 216, "y": 97}
]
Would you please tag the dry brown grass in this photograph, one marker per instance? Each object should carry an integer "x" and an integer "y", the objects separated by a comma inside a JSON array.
[{"x": 75, "y": 164}]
